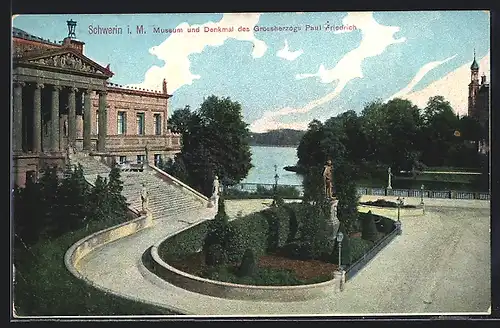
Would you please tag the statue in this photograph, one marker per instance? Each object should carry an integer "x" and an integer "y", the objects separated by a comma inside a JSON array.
[
  {"x": 144, "y": 198},
  {"x": 327, "y": 176},
  {"x": 215, "y": 187},
  {"x": 389, "y": 186},
  {"x": 146, "y": 149}
]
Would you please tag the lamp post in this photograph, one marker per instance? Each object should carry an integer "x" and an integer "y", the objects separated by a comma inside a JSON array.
[
  {"x": 422, "y": 195},
  {"x": 340, "y": 237},
  {"x": 400, "y": 202}
]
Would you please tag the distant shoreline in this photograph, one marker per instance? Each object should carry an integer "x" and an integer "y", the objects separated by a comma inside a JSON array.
[{"x": 273, "y": 146}]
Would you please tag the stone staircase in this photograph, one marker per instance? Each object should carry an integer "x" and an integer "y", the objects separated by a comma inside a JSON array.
[{"x": 166, "y": 200}]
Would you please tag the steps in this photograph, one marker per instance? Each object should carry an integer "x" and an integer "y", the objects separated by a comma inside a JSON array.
[{"x": 166, "y": 200}]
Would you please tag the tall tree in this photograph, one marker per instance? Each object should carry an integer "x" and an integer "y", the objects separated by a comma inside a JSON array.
[
  {"x": 179, "y": 120},
  {"x": 216, "y": 143}
]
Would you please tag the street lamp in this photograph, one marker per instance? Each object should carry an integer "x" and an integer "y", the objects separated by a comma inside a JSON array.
[
  {"x": 400, "y": 202},
  {"x": 422, "y": 195},
  {"x": 340, "y": 237}
]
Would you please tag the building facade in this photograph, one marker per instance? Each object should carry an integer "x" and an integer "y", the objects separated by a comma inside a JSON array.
[
  {"x": 62, "y": 99},
  {"x": 479, "y": 103}
]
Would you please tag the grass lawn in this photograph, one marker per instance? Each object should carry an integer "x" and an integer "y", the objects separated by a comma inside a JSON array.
[{"x": 45, "y": 287}]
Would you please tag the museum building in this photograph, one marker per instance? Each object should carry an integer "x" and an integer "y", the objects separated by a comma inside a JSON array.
[{"x": 64, "y": 100}]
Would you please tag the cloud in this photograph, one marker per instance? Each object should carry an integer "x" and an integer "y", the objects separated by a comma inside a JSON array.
[
  {"x": 375, "y": 39},
  {"x": 175, "y": 50},
  {"x": 453, "y": 86},
  {"x": 285, "y": 53},
  {"x": 420, "y": 74}
]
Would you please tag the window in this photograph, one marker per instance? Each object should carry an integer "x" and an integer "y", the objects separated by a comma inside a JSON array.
[
  {"x": 122, "y": 122},
  {"x": 157, "y": 124},
  {"x": 140, "y": 159},
  {"x": 157, "y": 159},
  {"x": 140, "y": 124},
  {"x": 123, "y": 159}
]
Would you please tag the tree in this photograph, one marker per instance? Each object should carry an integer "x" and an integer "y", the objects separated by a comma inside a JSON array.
[
  {"x": 216, "y": 143},
  {"x": 179, "y": 121},
  {"x": 118, "y": 203},
  {"x": 99, "y": 209}
]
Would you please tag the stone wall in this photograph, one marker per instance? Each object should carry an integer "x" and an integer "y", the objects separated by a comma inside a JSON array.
[
  {"x": 236, "y": 291},
  {"x": 90, "y": 243}
]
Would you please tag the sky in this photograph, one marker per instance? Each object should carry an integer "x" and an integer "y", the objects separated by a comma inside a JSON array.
[{"x": 286, "y": 69}]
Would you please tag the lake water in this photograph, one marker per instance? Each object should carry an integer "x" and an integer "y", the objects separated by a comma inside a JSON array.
[{"x": 264, "y": 159}]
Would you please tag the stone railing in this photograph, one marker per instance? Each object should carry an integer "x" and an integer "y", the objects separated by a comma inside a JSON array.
[
  {"x": 135, "y": 142},
  {"x": 355, "y": 267},
  {"x": 221, "y": 289},
  {"x": 167, "y": 177},
  {"x": 96, "y": 240}
]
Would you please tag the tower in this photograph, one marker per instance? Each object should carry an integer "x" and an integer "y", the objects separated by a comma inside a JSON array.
[{"x": 473, "y": 87}]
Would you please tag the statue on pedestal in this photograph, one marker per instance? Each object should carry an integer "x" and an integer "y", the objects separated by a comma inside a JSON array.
[
  {"x": 144, "y": 199},
  {"x": 215, "y": 187},
  {"x": 328, "y": 179}
]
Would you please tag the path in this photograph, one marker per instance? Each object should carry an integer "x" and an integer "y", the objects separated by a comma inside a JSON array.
[{"x": 440, "y": 264}]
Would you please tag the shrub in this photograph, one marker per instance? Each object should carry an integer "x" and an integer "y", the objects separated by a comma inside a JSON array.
[
  {"x": 248, "y": 264},
  {"x": 279, "y": 227},
  {"x": 368, "y": 228},
  {"x": 215, "y": 255},
  {"x": 385, "y": 225},
  {"x": 253, "y": 231},
  {"x": 236, "y": 243},
  {"x": 358, "y": 247},
  {"x": 292, "y": 221},
  {"x": 184, "y": 243},
  {"x": 298, "y": 250}
]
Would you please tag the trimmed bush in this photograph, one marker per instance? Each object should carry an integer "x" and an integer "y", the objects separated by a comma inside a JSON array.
[
  {"x": 358, "y": 247},
  {"x": 293, "y": 223},
  {"x": 184, "y": 243},
  {"x": 215, "y": 255},
  {"x": 248, "y": 265},
  {"x": 253, "y": 231},
  {"x": 368, "y": 228},
  {"x": 298, "y": 250},
  {"x": 384, "y": 225},
  {"x": 279, "y": 227}
]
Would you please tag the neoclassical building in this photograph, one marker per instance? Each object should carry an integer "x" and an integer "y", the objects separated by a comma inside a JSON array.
[
  {"x": 62, "y": 98},
  {"x": 479, "y": 103}
]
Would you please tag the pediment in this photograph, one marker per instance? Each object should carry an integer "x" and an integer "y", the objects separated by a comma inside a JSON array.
[{"x": 68, "y": 60}]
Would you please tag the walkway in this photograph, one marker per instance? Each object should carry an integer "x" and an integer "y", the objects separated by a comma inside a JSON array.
[{"x": 440, "y": 264}]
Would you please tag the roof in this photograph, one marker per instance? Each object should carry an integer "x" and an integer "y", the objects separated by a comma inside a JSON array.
[
  {"x": 474, "y": 65},
  {"x": 18, "y": 33}
]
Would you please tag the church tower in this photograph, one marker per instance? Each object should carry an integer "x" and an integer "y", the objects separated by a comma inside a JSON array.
[{"x": 473, "y": 87}]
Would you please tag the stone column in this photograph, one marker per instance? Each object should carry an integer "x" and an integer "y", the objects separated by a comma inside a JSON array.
[
  {"x": 37, "y": 118},
  {"x": 102, "y": 122},
  {"x": 72, "y": 116},
  {"x": 17, "y": 124},
  {"x": 54, "y": 133},
  {"x": 87, "y": 121}
]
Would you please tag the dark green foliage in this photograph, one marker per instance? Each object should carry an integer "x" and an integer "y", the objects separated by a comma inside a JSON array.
[
  {"x": 368, "y": 228},
  {"x": 184, "y": 243},
  {"x": 359, "y": 247},
  {"x": 279, "y": 227},
  {"x": 254, "y": 230},
  {"x": 215, "y": 255},
  {"x": 293, "y": 222},
  {"x": 315, "y": 231},
  {"x": 176, "y": 168},
  {"x": 384, "y": 225},
  {"x": 215, "y": 141},
  {"x": 248, "y": 264}
]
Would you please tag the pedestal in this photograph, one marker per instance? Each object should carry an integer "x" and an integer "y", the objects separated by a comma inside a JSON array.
[
  {"x": 339, "y": 278},
  {"x": 398, "y": 227},
  {"x": 334, "y": 221}
]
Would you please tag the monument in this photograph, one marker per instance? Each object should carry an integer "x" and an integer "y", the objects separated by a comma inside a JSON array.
[
  {"x": 389, "y": 173},
  {"x": 327, "y": 178},
  {"x": 144, "y": 199},
  {"x": 214, "y": 199},
  {"x": 334, "y": 223}
]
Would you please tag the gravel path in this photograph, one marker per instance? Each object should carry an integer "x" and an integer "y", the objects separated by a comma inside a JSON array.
[{"x": 440, "y": 264}]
